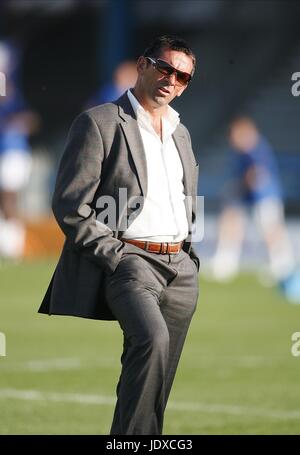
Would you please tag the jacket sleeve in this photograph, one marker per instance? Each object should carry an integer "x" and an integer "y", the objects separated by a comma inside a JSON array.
[{"x": 78, "y": 179}]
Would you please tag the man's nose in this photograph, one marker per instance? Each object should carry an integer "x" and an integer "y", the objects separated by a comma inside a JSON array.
[{"x": 172, "y": 79}]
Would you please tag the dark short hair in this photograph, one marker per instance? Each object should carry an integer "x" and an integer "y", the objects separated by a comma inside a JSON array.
[{"x": 169, "y": 42}]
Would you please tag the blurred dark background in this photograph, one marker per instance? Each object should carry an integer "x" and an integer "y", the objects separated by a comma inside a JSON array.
[{"x": 247, "y": 52}]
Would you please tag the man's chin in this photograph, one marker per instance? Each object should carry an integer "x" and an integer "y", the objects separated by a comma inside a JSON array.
[{"x": 162, "y": 100}]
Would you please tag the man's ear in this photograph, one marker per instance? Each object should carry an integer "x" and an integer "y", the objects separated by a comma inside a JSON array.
[{"x": 141, "y": 64}]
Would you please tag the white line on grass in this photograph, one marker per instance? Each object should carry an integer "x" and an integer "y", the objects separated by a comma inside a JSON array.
[
  {"x": 40, "y": 366},
  {"x": 36, "y": 395},
  {"x": 73, "y": 363},
  {"x": 53, "y": 364},
  {"x": 57, "y": 364}
]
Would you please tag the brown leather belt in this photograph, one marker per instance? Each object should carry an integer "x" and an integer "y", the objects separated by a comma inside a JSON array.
[{"x": 156, "y": 247}]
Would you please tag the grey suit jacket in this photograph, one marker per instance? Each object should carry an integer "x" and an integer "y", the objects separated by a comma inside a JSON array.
[{"x": 104, "y": 152}]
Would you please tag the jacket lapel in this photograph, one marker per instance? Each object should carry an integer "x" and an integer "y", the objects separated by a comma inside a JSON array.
[
  {"x": 186, "y": 160},
  {"x": 134, "y": 140}
]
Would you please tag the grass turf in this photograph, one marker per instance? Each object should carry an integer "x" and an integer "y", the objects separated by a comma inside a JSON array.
[{"x": 236, "y": 375}]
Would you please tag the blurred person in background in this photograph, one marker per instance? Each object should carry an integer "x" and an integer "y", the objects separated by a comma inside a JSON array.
[
  {"x": 124, "y": 77},
  {"x": 134, "y": 264},
  {"x": 255, "y": 184},
  {"x": 16, "y": 123}
]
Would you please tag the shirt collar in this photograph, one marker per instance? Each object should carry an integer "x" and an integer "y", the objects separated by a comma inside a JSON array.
[{"x": 172, "y": 116}]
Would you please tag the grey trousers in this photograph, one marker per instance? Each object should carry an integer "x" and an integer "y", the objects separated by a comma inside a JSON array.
[{"x": 153, "y": 297}]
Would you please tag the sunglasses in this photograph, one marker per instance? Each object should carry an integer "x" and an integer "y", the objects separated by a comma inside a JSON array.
[{"x": 164, "y": 68}]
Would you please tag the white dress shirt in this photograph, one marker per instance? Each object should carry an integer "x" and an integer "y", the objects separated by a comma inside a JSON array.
[{"x": 163, "y": 216}]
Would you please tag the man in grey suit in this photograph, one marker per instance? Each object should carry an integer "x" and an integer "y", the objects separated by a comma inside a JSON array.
[{"x": 125, "y": 197}]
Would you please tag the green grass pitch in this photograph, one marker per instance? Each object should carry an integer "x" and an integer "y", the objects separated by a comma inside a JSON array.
[{"x": 236, "y": 376}]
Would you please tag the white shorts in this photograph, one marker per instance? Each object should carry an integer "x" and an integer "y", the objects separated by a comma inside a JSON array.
[{"x": 15, "y": 166}]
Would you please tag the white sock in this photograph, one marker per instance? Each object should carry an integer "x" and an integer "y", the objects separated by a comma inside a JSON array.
[
  {"x": 225, "y": 263},
  {"x": 12, "y": 238}
]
